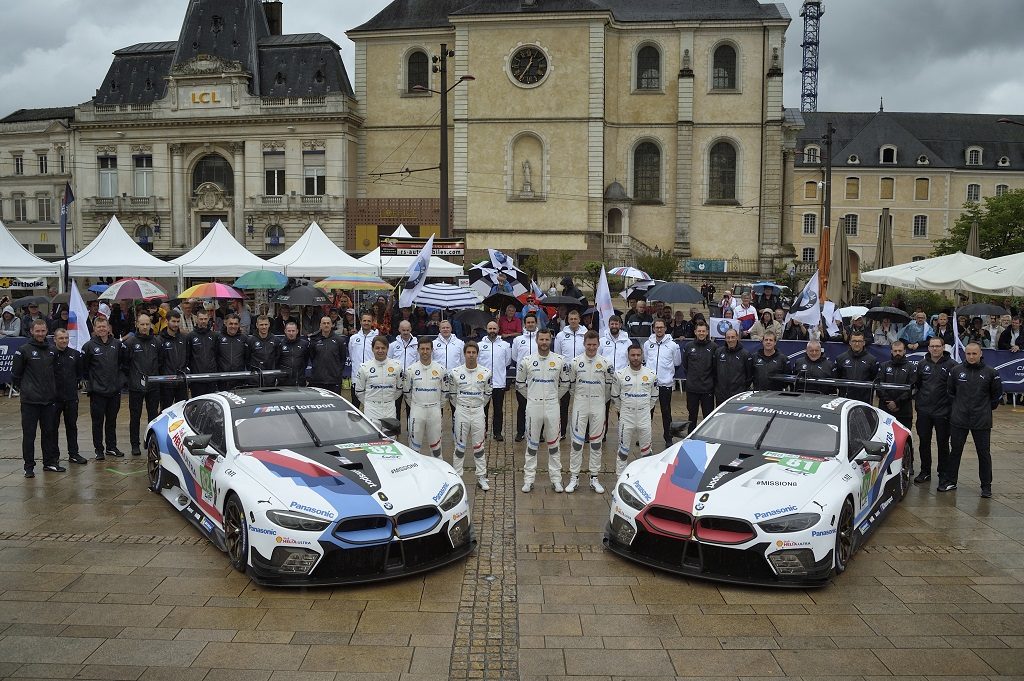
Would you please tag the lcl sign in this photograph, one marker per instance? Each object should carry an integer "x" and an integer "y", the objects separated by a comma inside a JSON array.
[{"x": 208, "y": 98}]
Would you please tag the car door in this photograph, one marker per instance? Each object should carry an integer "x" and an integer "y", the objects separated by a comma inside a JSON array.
[
  {"x": 208, "y": 463},
  {"x": 862, "y": 422}
]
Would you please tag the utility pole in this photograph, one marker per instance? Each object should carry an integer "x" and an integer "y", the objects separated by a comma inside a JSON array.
[
  {"x": 441, "y": 67},
  {"x": 825, "y": 246}
]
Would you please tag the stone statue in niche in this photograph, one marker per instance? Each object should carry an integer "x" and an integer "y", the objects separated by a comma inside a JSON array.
[{"x": 527, "y": 190}]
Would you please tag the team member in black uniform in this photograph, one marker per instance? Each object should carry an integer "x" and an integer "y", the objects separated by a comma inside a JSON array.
[
  {"x": 202, "y": 353},
  {"x": 857, "y": 364},
  {"x": 294, "y": 356},
  {"x": 767, "y": 363},
  {"x": 975, "y": 389},
  {"x": 68, "y": 375},
  {"x": 140, "y": 359},
  {"x": 232, "y": 349},
  {"x": 264, "y": 349},
  {"x": 33, "y": 377},
  {"x": 899, "y": 403},
  {"x": 699, "y": 366},
  {"x": 931, "y": 378},
  {"x": 101, "y": 366},
  {"x": 732, "y": 368},
  {"x": 173, "y": 359},
  {"x": 327, "y": 354},
  {"x": 814, "y": 364}
]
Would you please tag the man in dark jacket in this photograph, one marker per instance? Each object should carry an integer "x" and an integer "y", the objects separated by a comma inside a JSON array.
[
  {"x": 232, "y": 349},
  {"x": 975, "y": 390},
  {"x": 284, "y": 315},
  {"x": 264, "y": 349},
  {"x": 1011, "y": 338},
  {"x": 899, "y": 403},
  {"x": 327, "y": 353},
  {"x": 732, "y": 368},
  {"x": 202, "y": 353},
  {"x": 857, "y": 364},
  {"x": 699, "y": 368},
  {"x": 101, "y": 366},
  {"x": 814, "y": 364},
  {"x": 173, "y": 360},
  {"x": 67, "y": 375},
  {"x": 34, "y": 377},
  {"x": 933, "y": 403},
  {"x": 294, "y": 356},
  {"x": 639, "y": 322},
  {"x": 768, "y": 362},
  {"x": 140, "y": 359}
]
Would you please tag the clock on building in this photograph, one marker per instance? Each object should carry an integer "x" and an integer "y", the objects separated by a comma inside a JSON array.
[{"x": 529, "y": 65}]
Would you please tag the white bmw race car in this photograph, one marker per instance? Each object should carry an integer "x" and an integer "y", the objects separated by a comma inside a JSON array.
[
  {"x": 299, "y": 488},
  {"x": 772, "y": 488}
]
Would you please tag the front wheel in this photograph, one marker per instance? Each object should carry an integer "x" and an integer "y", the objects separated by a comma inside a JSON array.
[
  {"x": 236, "y": 534},
  {"x": 844, "y": 538},
  {"x": 154, "y": 466},
  {"x": 908, "y": 466}
]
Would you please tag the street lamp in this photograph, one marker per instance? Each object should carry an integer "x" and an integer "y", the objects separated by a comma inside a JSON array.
[
  {"x": 441, "y": 67},
  {"x": 248, "y": 226},
  {"x": 156, "y": 225}
]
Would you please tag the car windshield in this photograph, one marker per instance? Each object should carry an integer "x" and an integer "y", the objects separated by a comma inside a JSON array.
[
  {"x": 281, "y": 426},
  {"x": 771, "y": 429}
]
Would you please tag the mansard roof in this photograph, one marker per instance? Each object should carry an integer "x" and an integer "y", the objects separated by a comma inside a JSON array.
[{"x": 53, "y": 113}]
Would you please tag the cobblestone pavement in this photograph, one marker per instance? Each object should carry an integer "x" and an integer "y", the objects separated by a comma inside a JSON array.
[{"x": 100, "y": 579}]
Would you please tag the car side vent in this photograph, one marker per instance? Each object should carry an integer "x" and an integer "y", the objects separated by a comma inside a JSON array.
[
  {"x": 345, "y": 463},
  {"x": 736, "y": 464}
]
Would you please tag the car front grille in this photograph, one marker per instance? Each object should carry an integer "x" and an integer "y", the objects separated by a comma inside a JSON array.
[
  {"x": 417, "y": 521},
  {"x": 724, "y": 530},
  {"x": 397, "y": 554},
  {"x": 669, "y": 521}
]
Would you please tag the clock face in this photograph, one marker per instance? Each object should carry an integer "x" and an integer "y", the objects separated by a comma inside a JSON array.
[{"x": 529, "y": 65}]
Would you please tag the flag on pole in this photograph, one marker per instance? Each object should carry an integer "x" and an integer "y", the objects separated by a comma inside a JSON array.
[
  {"x": 807, "y": 307},
  {"x": 65, "y": 202},
  {"x": 603, "y": 301},
  {"x": 416, "y": 276},
  {"x": 958, "y": 343},
  {"x": 78, "y": 329}
]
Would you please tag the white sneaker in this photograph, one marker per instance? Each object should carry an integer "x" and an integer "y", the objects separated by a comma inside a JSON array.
[
  {"x": 483, "y": 484},
  {"x": 595, "y": 485},
  {"x": 574, "y": 482},
  {"x": 527, "y": 487},
  {"x": 557, "y": 486}
]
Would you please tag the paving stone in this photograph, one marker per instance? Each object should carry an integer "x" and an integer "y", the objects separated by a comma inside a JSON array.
[
  {"x": 934, "y": 662},
  {"x": 810, "y": 663},
  {"x": 59, "y": 649},
  {"x": 356, "y": 659},
  {"x": 622, "y": 662},
  {"x": 309, "y": 620},
  {"x": 146, "y": 653},
  {"x": 758, "y": 663},
  {"x": 1004, "y": 662},
  {"x": 236, "y": 655}
]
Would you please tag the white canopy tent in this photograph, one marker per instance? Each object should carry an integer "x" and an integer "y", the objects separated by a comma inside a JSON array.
[
  {"x": 315, "y": 255},
  {"x": 220, "y": 255},
  {"x": 911, "y": 274},
  {"x": 398, "y": 265},
  {"x": 996, "y": 277},
  {"x": 16, "y": 261},
  {"x": 115, "y": 254}
]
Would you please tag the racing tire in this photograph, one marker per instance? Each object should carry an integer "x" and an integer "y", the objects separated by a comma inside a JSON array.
[
  {"x": 154, "y": 467},
  {"x": 236, "y": 533},
  {"x": 908, "y": 456},
  {"x": 843, "y": 551}
]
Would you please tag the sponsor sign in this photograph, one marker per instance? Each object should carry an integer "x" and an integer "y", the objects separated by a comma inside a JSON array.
[
  {"x": 774, "y": 512},
  {"x": 22, "y": 284},
  {"x": 279, "y": 408},
  {"x": 823, "y": 533},
  {"x": 771, "y": 411},
  {"x": 776, "y": 483},
  {"x": 392, "y": 246},
  {"x": 312, "y": 510},
  {"x": 8, "y": 346},
  {"x": 262, "y": 530}
]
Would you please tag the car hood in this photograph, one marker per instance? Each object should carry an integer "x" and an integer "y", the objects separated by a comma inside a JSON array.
[
  {"x": 352, "y": 479},
  {"x": 723, "y": 480}
]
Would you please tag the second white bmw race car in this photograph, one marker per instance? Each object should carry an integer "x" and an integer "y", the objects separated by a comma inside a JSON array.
[
  {"x": 772, "y": 488},
  {"x": 299, "y": 488}
]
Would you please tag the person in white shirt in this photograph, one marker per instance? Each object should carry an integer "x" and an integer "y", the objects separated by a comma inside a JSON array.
[
  {"x": 542, "y": 377},
  {"x": 378, "y": 383},
  {"x": 569, "y": 344},
  {"x": 523, "y": 345},
  {"x": 447, "y": 346},
  {"x": 634, "y": 394},
  {"x": 496, "y": 357},
  {"x": 403, "y": 349},
  {"x": 469, "y": 388},
  {"x": 359, "y": 348},
  {"x": 615, "y": 344},
  {"x": 662, "y": 355},
  {"x": 591, "y": 375},
  {"x": 424, "y": 388}
]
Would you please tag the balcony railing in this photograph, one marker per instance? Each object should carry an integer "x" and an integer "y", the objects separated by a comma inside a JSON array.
[
  {"x": 286, "y": 202},
  {"x": 294, "y": 101}
]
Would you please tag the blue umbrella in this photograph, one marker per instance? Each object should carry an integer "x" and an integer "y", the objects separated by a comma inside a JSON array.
[
  {"x": 262, "y": 279},
  {"x": 765, "y": 284},
  {"x": 99, "y": 288}
]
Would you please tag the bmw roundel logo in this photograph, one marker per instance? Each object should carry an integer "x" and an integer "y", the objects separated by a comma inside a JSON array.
[
  {"x": 373, "y": 370},
  {"x": 723, "y": 326},
  {"x": 698, "y": 507},
  {"x": 536, "y": 364},
  {"x": 417, "y": 372}
]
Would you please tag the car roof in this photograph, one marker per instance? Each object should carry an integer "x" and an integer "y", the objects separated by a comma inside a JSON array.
[
  {"x": 809, "y": 402},
  {"x": 257, "y": 397}
]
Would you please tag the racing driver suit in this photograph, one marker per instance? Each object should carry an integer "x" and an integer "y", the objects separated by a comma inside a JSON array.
[
  {"x": 634, "y": 393},
  {"x": 591, "y": 380},
  {"x": 470, "y": 391},
  {"x": 542, "y": 380},
  {"x": 377, "y": 386},
  {"x": 424, "y": 388}
]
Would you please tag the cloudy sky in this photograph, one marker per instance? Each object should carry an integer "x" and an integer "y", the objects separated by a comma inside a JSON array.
[{"x": 920, "y": 55}]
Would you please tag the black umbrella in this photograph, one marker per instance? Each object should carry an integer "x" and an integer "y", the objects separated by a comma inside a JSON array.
[
  {"x": 561, "y": 300},
  {"x": 29, "y": 300},
  {"x": 673, "y": 292},
  {"x": 499, "y": 301},
  {"x": 303, "y": 296},
  {"x": 65, "y": 298},
  {"x": 893, "y": 313},
  {"x": 475, "y": 318},
  {"x": 981, "y": 309}
]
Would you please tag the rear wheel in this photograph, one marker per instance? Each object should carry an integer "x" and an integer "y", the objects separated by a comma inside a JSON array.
[
  {"x": 236, "y": 533},
  {"x": 844, "y": 537},
  {"x": 908, "y": 466},
  {"x": 154, "y": 467}
]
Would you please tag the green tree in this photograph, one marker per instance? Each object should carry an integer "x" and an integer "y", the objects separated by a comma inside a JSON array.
[
  {"x": 658, "y": 266},
  {"x": 592, "y": 274},
  {"x": 546, "y": 265},
  {"x": 1000, "y": 226}
]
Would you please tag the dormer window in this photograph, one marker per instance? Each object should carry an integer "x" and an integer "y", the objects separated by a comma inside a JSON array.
[
  {"x": 853, "y": 160},
  {"x": 279, "y": 79},
  {"x": 1004, "y": 161},
  {"x": 218, "y": 23},
  {"x": 888, "y": 155},
  {"x": 812, "y": 154},
  {"x": 974, "y": 156},
  {"x": 922, "y": 160},
  {"x": 319, "y": 77}
]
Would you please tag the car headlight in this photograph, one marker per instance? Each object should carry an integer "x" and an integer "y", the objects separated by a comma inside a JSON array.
[
  {"x": 629, "y": 498},
  {"x": 293, "y": 520},
  {"x": 453, "y": 498},
  {"x": 791, "y": 523}
]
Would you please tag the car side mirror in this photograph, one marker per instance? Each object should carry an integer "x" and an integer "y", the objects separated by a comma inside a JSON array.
[
  {"x": 390, "y": 426},
  {"x": 873, "y": 452},
  {"x": 679, "y": 428},
  {"x": 197, "y": 444}
]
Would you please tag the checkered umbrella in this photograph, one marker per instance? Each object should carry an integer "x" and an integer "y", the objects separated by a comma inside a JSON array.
[{"x": 447, "y": 297}]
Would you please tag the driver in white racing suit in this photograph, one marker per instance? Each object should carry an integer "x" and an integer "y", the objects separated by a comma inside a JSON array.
[
  {"x": 634, "y": 394},
  {"x": 591, "y": 376},
  {"x": 424, "y": 389},
  {"x": 542, "y": 378},
  {"x": 470, "y": 391},
  {"x": 379, "y": 383}
]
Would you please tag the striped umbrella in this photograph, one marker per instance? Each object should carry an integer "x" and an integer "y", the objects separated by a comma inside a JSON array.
[
  {"x": 630, "y": 272},
  {"x": 354, "y": 282},
  {"x": 134, "y": 289},
  {"x": 210, "y": 290},
  {"x": 264, "y": 280},
  {"x": 447, "y": 296}
]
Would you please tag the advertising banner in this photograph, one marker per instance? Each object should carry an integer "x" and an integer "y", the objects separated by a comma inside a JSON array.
[
  {"x": 393, "y": 245},
  {"x": 8, "y": 346}
]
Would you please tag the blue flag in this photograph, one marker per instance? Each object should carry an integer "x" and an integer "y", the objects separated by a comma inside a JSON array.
[{"x": 65, "y": 202}]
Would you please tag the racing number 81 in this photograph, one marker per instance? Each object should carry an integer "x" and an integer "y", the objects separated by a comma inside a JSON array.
[{"x": 805, "y": 465}]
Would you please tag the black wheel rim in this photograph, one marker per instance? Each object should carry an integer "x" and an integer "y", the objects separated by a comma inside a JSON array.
[
  {"x": 908, "y": 457},
  {"x": 233, "y": 533},
  {"x": 153, "y": 464},
  {"x": 845, "y": 538}
]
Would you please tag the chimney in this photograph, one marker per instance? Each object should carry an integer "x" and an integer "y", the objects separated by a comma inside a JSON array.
[{"x": 274, "y": 11}]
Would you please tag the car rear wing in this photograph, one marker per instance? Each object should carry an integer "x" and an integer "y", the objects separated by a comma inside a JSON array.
[
  {"x": 256, "y": 376},
  {"x": 801, "y": 381}
]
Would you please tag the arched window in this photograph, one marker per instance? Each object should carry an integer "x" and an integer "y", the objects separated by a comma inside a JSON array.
[
  {"x": 722, "y": 172},
  {"x": 647, "y": 172},
  {"x": 417, "y": 72},
  {"x": 1002, "y": 189},
  {"x": 144, "y": 237},
  {"x": 974, "y": 193},
  {"x": 810, "y": 190},
  {"x": 275, "y": 238},
  {"x": 648, "y": 68},
  {"x": 214, "y": 168},
  {"x": 974, "y": 156},
  {"x": 888, "y": 155},
  {"x": 615, "y": 221},
  {"x": 812, "y": 154},
  {"x": 724, "y": 77}
]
